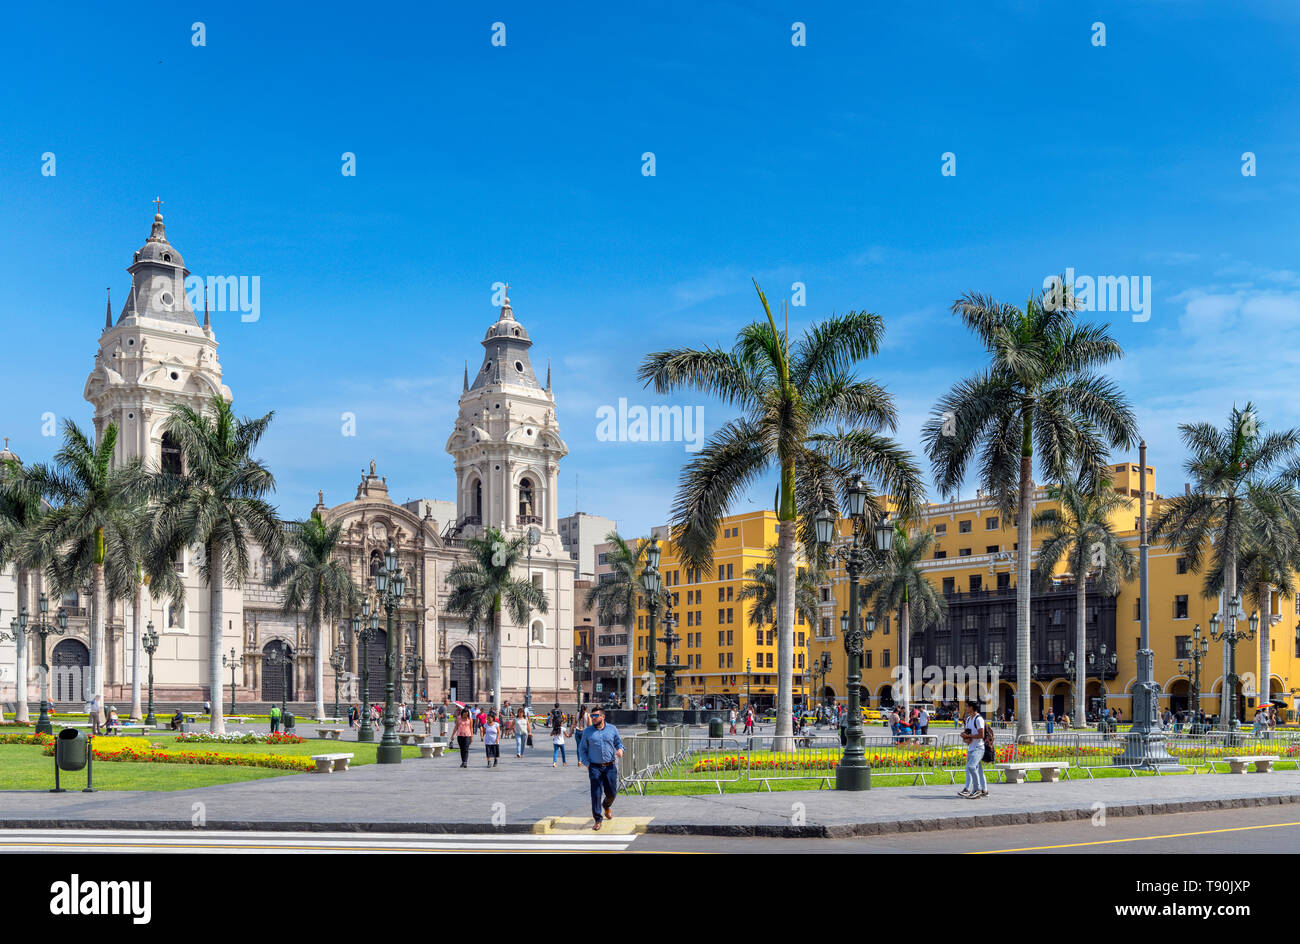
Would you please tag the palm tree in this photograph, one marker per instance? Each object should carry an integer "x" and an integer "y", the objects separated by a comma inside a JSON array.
[
  {"x": 790, "y": 398},
  {"x": 615, "y": 596},
  {"x": 1038, "y": 395},
  {"x": 316, "y": 583},
  {"x": 1233, "y": 487},
  {"x": 20, "y": 509},
  {"x": 485, "y": 583},
  {"x": 217, "y": 501},
  {"x": 94, "y": 505},
  {"x": 1268, "y": 565},
  {"x": 1082, "y": 535},
  {"x": 899, "y": 586}
]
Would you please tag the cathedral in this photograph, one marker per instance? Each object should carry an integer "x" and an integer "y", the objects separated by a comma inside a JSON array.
[{"x": 505, "y": 449}]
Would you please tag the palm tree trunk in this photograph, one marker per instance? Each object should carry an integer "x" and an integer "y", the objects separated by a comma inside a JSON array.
[
  {"x": 785, "y": 583},
  {"x": 1265, "y": 663},
  {"x": 496, "y": 655},
  {"x": 97, "y": 635},
  {"x": 1229, "y": 591},
  {"x": 136, "y": 629},
  {"x": 1024, "y": 720},
  {"x": 216, "y": 623},
  {"x": 319, "y": 669},
  {"x": 20, "y": 653},
  {"x": 905, "y": 656},
  {"x": 1080, "y": 643},
  {"x": 627, "y": 663}
]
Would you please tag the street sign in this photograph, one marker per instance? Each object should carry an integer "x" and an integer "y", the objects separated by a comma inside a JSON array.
[{"x": 600, "y": 686}]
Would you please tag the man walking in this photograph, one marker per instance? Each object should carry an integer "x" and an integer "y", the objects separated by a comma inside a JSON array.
[{"x": 600, "y": 749}]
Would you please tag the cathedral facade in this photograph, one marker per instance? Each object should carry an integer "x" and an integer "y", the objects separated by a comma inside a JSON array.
[{"x": 505, "y": 449}]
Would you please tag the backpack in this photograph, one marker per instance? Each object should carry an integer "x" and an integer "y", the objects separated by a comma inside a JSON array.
[{"x": 990, "y": 755}]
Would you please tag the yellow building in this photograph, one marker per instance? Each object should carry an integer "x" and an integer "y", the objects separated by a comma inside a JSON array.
[
  {"x": 974, "y": 565},
  {"x": 720, "y": 653}
]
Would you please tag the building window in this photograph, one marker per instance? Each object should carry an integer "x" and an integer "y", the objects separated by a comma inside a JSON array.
[
  {"x": 1180, "y": 565},
  {"x": 1137, "y": 608},
  {"x": 730, "y": 571},
  {"x": 991, "y": 549},
  {"x": 940, "y": 555},
  {"x": 171, "y": 456},
  {"x": 1182, "y": 647},
  {"x": 964, "y": 552},
  {"x": 949, "y": 584},
  {"x": 963, "y": 527},
  {"x": 940, "y": 529},
  {"x": 991, "y": 523},
  {"x": 730, "y": 640},
  {"x": 758, "y": 637},
  {"x": 730, "y": 613},
  {"x": 866, "y": 659},
  {"x": 1180, "y": 606},
  {"x": 976, "y": 583},
  {"x": 884, "y": 658}
]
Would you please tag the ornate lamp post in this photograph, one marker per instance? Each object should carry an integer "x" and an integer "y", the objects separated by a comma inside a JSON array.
[
  {"x": 232, "y": 663},
  {"x": 150, "y": 643},
  {"x": 364, "y": 628},
  {"x": 284, "y": 659},
  {"x": 670, "y": 666},
  {"x": 1200, "y": 649},
  {"x": 651, "y": 583},
  {"x": 1070, "y": 666},
  {"x": 391, "y": 586},
  {"x": 534, "y": 538},
  {"x": 336, "y": 663},
  {"x": 749, "y": 697},
  {"x": 43, "y": 628},
  {"x": 852, "y": 773},
  {"x": 1228, "y": 719},
  {"x": 580, "y": 663},
  {"x": 824, "y": 666}
]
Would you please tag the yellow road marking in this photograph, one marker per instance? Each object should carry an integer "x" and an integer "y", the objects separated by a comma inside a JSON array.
[{"x": 1104, "y": 842}]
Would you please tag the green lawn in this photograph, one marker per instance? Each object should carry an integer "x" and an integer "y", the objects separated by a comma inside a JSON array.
[{"x": 25, "y": 767}]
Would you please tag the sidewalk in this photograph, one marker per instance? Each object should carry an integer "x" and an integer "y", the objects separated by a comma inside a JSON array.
[{"x": 529, "y": 795}]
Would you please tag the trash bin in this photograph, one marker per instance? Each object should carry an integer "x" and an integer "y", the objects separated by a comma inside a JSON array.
[
  {"x": 715, "y": 727},
  {"x": 70, "y": 749},
  {"x": 288, "y": 721}
]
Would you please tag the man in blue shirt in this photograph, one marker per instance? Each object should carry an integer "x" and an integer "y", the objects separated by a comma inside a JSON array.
[{"x": 600, "y": 749}]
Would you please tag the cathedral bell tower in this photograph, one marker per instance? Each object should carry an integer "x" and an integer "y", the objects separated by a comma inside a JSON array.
[
  {"x": 506, "y": 443},
  {"x": 156, "y": 355}
]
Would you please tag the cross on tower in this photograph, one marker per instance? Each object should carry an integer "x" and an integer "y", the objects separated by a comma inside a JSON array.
[{"x": 157, "y": 204}]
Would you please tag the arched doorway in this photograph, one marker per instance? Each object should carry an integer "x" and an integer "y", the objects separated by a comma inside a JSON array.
[
  {"x": 828, "y": 695},
  {"x": 276, "y": 677},
  {"x": 70, "y": 671},
  {"x": 887, "y": 696},
  {"x": 1180, "y": 695},
  {"x": 375, "y": 650},
  {"x": 1007, "y": 699},
  {"x": 1060, "y": 697},
  {"x": 1094, "y": 700},
  {"x": 461, "y": 675},
  {"x": 1036, "y": 700}
]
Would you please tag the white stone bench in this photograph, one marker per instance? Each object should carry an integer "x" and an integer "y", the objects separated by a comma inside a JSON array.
[
  {"x": 335, "y": 733},
  {"x": 432, "y": 748},
  {"x": 327, "y": 763},
  {"x": 1016, "y": 773},
  {"x": 1263, "y": 763},
  {"x": 407, "y": 737}
]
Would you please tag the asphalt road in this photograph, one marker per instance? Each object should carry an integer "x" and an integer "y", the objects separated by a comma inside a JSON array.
[{"x": 1246, "y": 831}]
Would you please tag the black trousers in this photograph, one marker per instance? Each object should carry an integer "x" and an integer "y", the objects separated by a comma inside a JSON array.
[{"x": 464, "y": 743}]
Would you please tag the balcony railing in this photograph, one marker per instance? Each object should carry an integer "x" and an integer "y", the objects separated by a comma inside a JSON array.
[{"x": 530, "y": 519}]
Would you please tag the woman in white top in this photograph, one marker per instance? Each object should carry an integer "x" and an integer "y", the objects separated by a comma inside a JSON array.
[
  {"x": 972, "y": 732},
  {"x": 557, "y": 743}
]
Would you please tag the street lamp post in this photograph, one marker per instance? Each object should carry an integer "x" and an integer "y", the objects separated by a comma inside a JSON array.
[
  {"x": 43, "y": 628},
  {"x": 651, "y": 583},
  {"x": 282, "y": 658},
  {"x": 1200, "y": 649},
  {"x": 852, "y": 773},
  {"x": 364, "y": 628},
  {"x": 749, "y": 696},
  {"x": 413, "y": 665},
  {"x": 580, "y": 663},
  {"x": 1228, "y": 720},
  {"x": 824, "y": 666},
  {"x": 150, "y": 643},
  {"x": 391, "y": 586},
  {"x": 1070, "y": 666},
  {"x": 232, "y": 663},
  {"x": 336, "y": 663},
  {"x": 534, "y": 538}
]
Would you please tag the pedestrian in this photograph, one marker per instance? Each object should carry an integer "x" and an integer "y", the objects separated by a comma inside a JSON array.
[
  {"x": 428, "y": 718},
  {"x": 492, "y": 739},
  {"x": 93, "y": 708},
  {"x": 1050, "y": 719},
  {"x": 464, "y": 735},
  {"x": 275, "y": 718},
  {"x": 557, "y": 744},
  {"x": 973, "y": 734},
  {"x": 521, "y": 732},
  {"x": 583, "y": 722},
  {"x": 923, "y": 721},
  {"x": 733, "y": 720},
  {"x": 207, "y": 707},
  {"x": 600, "y": 749},
  {"x": 354, "y": 717}
]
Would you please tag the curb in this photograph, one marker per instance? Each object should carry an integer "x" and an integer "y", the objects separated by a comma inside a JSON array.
[{"x": 740, "y": 831}]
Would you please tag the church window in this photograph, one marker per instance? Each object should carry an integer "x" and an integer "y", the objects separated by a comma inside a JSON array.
[
  {"x": 487, "y": 365},
  {"x": 478, "y": 500},
  {"x": 166, "y": 299},
  {"x": 167, "y": 257},
  {"x": 171, "y": 455},
  {"x": 519, "y": 366},
  {"x": 175, "y": 376},
  {"x": 526, "y": 498}
]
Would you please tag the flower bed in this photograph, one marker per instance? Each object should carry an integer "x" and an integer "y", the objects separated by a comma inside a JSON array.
[
  {"x": 131, "y": 751},
  {"x": 202, "y": 737},
  {"x": 44, "y": 739}
]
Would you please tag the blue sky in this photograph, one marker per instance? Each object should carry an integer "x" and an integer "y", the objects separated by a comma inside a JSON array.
[{"x": 479, "y": 163}]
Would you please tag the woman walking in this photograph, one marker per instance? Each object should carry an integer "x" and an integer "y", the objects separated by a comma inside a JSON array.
[
  {"x": 583, "y": 722},
  {"x": 972, "y": 733},
  {"x": 492, "y": 739},
  {"x": 464, "y": 735},
  {"x": 557, "y": 743},
  {"x": 521, "y": 732}
]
